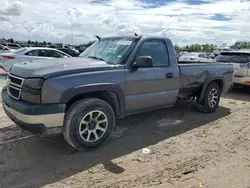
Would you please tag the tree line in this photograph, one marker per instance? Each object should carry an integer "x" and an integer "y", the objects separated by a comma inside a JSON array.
[
  {"x": 196, "y": 48},
  {"x": 209, "y": 47}
]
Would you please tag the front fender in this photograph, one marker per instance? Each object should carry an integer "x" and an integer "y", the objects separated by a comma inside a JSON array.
[{"x": 83, "y": 89}]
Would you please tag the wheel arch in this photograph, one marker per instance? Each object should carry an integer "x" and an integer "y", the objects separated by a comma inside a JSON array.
[
  {"x": 218, "y": 79},
  {"x": 110, "y": 93}
]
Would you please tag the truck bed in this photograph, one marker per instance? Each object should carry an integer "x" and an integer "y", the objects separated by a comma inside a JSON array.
[{"x": 193, "y": 75}]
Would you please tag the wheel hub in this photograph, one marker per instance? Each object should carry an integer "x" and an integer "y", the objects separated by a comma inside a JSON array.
[
  {"x": 92, "y": 125},
  {"x": 213, "y": 98}
]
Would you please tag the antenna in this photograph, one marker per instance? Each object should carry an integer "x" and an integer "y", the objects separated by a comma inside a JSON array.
[
  {"x": 136, "y": 34},
  {"x": 99, "y": 38}
]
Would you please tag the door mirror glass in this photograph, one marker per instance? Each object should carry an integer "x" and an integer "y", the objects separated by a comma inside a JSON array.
[{"x": 143, "y": 61}]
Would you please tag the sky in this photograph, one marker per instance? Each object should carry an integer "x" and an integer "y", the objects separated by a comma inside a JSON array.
[{"x": 183, "y": 21}]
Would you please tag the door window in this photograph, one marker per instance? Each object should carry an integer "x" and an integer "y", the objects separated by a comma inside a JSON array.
[
  {"x": 14, "y": 45},
  {"x": 32, "y": 53},
  {"x": 55, "y": 54},
  {"x": 40, "y": 53},
  {"x": 202, "y": 55},
  {"x": 157, "y": 50}
]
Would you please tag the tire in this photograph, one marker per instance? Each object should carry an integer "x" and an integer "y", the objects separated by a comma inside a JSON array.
[
  {"x": 206, "y": 103},
  {"x": 78, "y": 119}
]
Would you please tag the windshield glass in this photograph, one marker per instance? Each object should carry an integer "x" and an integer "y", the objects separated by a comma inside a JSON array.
[
  {"x": 19, "y": 50},
  {"x": 110, "y": 50},
  {"x": 233, "y": 57}
]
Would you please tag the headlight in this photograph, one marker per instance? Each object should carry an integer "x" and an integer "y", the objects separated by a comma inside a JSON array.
[
  {"x": 34, "y": 83},
  {"x": 31, "y": 90}
]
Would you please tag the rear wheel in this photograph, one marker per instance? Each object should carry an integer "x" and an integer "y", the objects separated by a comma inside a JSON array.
[
  {"x": 88, "y": 124},
  {"x": 211, "y": 99}
]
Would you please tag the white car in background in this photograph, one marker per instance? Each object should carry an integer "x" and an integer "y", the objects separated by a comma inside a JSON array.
[
  {"x": 11, "y": 46},
  {"x": 241, "y": 63},
  {"x": 4, "y": 49},
  {"x": 196, "y": 57},
  {"x": 29, "y": 54}
]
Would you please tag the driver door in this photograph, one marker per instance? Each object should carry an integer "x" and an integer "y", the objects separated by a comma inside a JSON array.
[{"x": 152, "y": 87}]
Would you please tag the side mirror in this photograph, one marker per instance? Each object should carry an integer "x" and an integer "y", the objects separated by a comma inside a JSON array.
[{"x": 143, "y": 62}]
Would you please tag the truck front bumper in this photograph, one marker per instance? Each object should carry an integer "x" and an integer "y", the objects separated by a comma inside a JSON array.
[{"x": 36, "y": 118}]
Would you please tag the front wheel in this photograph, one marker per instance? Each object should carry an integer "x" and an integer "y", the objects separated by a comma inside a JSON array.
[
  {"x": 211, "y": 99},
  {"x": 88, "y": 124}
]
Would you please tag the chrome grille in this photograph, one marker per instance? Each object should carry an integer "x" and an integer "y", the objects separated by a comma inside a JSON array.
[{"x": 14, "y": 86}]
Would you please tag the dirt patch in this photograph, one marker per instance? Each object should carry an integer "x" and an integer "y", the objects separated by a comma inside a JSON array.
[{"x": 176, "y": 147}]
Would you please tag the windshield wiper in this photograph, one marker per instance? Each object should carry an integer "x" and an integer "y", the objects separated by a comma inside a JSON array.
[{"x": 94, "y": 57}]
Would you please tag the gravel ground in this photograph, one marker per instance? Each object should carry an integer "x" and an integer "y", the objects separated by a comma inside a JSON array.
[{"x": 176, "y": 147}]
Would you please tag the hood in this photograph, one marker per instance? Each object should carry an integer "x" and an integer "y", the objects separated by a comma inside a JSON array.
[{"x": 57, "y": 67}]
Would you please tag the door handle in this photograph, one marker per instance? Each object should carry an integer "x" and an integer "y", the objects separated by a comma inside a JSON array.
[{"x": 169, "y": 75}]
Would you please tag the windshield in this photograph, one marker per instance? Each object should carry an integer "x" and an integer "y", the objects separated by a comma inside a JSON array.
[
  {"x": 19, "y": 50},
  {"x": 233, "y": 57},
  {"x": 110, "y": 50}
]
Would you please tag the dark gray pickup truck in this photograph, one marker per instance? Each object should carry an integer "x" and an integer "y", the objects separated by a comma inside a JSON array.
[{"x": 116, "y": 76}]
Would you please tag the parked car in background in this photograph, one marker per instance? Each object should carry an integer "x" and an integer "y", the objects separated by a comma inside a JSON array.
[
  {"x": 224, "y": 48},
  {"x": 28, "y": 54},
  {"x": 4, "y": 49},
  {"x": 11, "y": 45},
  {"x": 178, "y": 55},
  {"x": 71, "y": 47},
  {"x": 241, "y": 63},
  {"x": 80, "y": 49},
  {"x": 69, "y": 51},
  {"x": 211, "y": 55},
  {"x": 196, "y": 57}
]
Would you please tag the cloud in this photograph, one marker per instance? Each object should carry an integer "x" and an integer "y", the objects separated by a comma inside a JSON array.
[
  {"x": 4, "y": 18},
  {"x": 9, "y": 8},
  {"x": 184, "y": 21},
  {"x": 73, "y": 13}
]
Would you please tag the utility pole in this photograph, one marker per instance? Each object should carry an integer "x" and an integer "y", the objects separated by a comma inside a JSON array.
[{"x": 72, "y": 35}]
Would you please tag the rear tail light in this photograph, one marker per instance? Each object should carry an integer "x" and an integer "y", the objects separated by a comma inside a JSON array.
[{"x": 8, "y": 57}]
